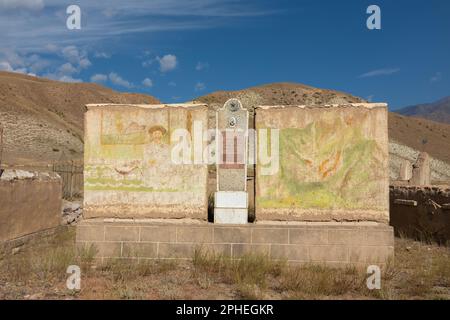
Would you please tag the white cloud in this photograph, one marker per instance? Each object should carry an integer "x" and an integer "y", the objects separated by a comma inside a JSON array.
[
  {"x": 147, "y": 83},
  {"x": 379, "y": 72},
  {"x": 76, "y": 56},
  {"x": 14, "y": 59},
  {"x": 148, "y": 63},
  {"x": 436, "y": 77},
  {"x": 99, "y": 77},
  {"x": 69, "y": 79},
  {"x": 44, "y": 33},
  {"x": 167, "y": 63},
  {"x": 22, "y": 4},
  {"x": 102, "y": 55},
  {"x": 67, "y": 69},
  {"x": 57, "y": 65},
  {"x": 71, "y": 53},
  {"x": 36, "y": 64},
  {"x": 50, "y": 47},
  {"x": 200, "y": 86},
  {"x": 201, "y": 66},
  {"x": 118, "y": 80},
  {"x": 85, "y": 63},
  {"x": 60, "y": 77},
  {"x": 5, "y": 66}
]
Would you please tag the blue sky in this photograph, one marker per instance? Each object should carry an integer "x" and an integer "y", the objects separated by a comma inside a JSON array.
[{"x": 179, "y": 49}]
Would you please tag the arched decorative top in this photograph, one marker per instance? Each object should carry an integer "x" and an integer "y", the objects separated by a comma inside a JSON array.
[{"x": 233, "y": 105}]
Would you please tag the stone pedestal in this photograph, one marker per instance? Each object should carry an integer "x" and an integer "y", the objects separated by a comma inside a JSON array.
[
  {"x": 421, "y": 172},
  {"x": 405, "y": 170},
  {"x": 231, "y": 207},
  {"x": 231, "y": 198}
]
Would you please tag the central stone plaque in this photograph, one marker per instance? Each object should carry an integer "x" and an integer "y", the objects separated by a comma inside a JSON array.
[{"x": 231, "y": 200}]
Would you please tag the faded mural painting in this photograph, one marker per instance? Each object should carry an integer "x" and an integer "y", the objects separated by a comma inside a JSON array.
[
  {"x": 333, "y": 164},
  {"x": 128, "y": 167}
]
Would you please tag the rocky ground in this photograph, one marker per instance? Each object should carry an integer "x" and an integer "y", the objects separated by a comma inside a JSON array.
[
  {"x": 440, "y": 170},
  {"x": 72, "y": 212}
]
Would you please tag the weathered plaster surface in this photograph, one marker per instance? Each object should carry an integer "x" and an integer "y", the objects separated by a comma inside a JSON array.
[
  {"x": 30, "y": 202},
  {"x": 333, "y": 164},
  {"x": 129, "y": 172}
]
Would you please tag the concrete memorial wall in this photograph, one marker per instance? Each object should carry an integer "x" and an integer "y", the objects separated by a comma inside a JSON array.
[
  {"x": 129, "y": 171},
  {"x": 333, "y": 164},
  {"x": 327, "y": 164}
]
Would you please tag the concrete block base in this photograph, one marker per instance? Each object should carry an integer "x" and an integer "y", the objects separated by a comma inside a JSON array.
[
  {"x": 230, "y": 216},
  {"x": 231, "y": 199},
  {"x": 335, "y": 244}
]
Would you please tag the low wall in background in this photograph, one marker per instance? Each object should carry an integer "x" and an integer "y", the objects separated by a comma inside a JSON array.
[
  {"x": 421, "y": 212},
  {"x": 29, "y": 203}
]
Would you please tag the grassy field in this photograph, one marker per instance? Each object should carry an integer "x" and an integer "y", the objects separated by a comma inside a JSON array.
[{"x": 38, "y": 271}]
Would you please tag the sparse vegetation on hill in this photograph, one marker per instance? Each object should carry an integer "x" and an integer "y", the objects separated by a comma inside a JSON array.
[
  {"x": 405, "y": 133},
  {"x": 281, "y": 94},
  {"x": 42, "y": 119}
]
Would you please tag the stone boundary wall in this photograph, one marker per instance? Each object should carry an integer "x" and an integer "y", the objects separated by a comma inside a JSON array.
[
  {"x": 29, "y": 202},
  {"x": 421, "y": 212},
  {"x": 336, "y": 244},
  {"x": 16, "y": 245}
]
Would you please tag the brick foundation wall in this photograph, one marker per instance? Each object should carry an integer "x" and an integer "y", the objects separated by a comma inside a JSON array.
[{"x": 336, "y": 244}]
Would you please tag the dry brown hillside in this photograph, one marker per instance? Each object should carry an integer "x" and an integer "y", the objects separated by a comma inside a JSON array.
[
  {"x": 43, "y": 119},
  {"x": 408, "y": 131},
  {"x": 421, "y": 134},
  {"x": 284, "y": 94}
]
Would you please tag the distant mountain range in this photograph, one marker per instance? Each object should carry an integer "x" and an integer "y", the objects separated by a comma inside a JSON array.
[{"x": 437, "y": 111}]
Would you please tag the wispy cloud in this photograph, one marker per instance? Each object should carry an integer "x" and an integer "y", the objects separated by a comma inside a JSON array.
[
  {"x": 199, "y": 86},
  {"x": 34, "y": 5},
  {"x": 201, "y": 66},
  {"x": 436, "y": 77},
  {"x": 21, "y": 29},
  {"x": 102, "y": 55},
  {"x": 40, "y": 42},
  {"x": 119, "y": 81},
  {"x": 99, "y": 77},
  {"x": 379, "y": 72}
]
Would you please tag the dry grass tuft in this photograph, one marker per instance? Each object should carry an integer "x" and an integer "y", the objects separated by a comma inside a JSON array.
[{"x": 38, "y": 271}]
